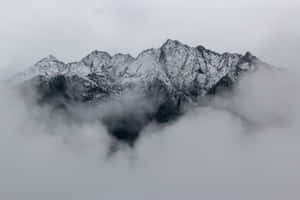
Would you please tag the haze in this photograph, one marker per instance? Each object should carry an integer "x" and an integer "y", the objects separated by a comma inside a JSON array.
[{"x": 243, "y": 146}]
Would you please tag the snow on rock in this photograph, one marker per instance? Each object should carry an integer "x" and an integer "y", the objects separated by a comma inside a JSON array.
[
  {"x": 178, "y": 66},
  {"x": 168, "y": 77}
]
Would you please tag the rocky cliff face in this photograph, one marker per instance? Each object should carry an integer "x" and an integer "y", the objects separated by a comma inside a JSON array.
[{"x": 168, "y": 78}]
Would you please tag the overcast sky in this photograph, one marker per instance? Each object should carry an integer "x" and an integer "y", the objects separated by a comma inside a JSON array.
[
  {"x": 219, "y": 156},
  {"x": 70, "y": 29}
]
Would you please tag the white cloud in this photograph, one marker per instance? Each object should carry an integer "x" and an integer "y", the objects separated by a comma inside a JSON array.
[{"x": 244, "y": 146}]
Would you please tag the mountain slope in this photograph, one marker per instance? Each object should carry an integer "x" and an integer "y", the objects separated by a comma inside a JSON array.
[{"x": 167, "y": 78}]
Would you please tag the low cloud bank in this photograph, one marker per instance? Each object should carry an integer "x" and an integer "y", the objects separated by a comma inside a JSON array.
[{"x": 244, "y": 145}]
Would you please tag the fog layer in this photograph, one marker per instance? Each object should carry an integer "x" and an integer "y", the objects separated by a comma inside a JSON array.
[{"x": 245, "y": 145}]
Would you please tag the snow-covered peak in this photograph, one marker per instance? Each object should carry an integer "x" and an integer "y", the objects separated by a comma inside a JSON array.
[
  {"x": 50, "y": 66},
  {"x": 47, "y": 61},
  {"x": 172, "y": 43},
  {"x": 49, "y": 58},
  {"x": 97, "y": 61},
  {"x": 177, "y": 65},
  {"x": 169, "y": 77}
]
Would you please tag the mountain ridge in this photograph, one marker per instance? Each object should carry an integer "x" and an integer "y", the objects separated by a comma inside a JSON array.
[
  {"x": 168, "y": 78},
  {"x": 104, "y": 58}
]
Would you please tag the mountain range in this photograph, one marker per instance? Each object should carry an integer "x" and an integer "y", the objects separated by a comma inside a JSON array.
[{"x": 154, "y": 87}]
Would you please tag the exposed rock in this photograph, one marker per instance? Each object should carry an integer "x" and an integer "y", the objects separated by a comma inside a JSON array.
[{"x": 169, "y": 77}]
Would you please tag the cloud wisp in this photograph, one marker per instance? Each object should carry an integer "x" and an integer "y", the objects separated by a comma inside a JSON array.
[{"x": 244, "y": 145}]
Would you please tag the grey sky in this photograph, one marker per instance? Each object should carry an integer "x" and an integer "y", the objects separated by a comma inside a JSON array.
[
  {"x": 70, "y": 29},
  {"x": 218, "y": 157}
]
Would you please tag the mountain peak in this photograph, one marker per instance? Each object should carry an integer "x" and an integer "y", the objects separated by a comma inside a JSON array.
[
  {"x": 49, "y": 58},
  {"x": 174, "y": 63},
  {"x": 200, "y": 48},
  {"x": 249, "y": 55},
  {"x": 98, "y": 52},
  {"x": 172, "y": 43},
  {"x": 97, "y": 60},
  {"x": 169, "y": 77}
]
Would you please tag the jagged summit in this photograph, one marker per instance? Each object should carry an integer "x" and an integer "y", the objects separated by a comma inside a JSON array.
[
  {"x": 171, "y": 50},
  {"x": 194, "y": 71},
  {"x": 49, "y": 58},
  {"x": 172, "y": 43},
  {"x": 169, "y": 77}
]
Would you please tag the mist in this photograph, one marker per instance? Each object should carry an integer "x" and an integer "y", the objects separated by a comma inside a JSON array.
[{"x": 243, "y": 145}]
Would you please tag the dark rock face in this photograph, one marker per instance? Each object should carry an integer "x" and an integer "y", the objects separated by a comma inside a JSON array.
[
  {"x": 168, "y": 78},
  {"x": 61, "y": 93},
  {"x": 126, "y": 128}
]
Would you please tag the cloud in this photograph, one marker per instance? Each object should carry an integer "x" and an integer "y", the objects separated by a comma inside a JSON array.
[
  {"x": 212, "y": 152},
  {"x": 244, "y": 145}
]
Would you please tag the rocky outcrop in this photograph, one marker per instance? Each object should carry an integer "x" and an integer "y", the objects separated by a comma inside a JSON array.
[{"x": 169, "y": 77}]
